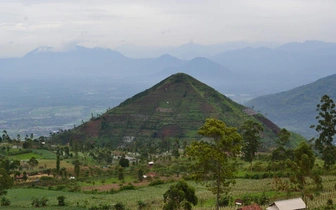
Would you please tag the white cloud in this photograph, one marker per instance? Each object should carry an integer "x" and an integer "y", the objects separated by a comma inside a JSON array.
[{"x": 28, "y": 24}]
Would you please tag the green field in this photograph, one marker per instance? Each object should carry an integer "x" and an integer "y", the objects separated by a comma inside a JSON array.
[
  {"x": 26, "y": 156},
  {"x": 153, "y": 195}
]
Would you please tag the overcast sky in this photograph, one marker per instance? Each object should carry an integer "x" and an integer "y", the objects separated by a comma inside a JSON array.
[{"x": 28, "y": 24}]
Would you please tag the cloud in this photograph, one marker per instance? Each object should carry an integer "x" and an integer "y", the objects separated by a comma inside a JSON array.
[{"x": 104, "y": 23}]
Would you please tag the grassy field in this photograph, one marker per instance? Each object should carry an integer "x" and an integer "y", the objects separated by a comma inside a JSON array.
[
  {"x": 26, "y": 156},
  {"x": 153, "y": 195}
]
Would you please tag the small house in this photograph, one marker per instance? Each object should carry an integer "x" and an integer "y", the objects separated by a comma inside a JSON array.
[{"x": 290, "y": 204}]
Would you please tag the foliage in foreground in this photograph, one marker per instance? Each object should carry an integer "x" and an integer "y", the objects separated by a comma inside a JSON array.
[
  {"x": 213, "y": 166},
  {"x": 180, "y": 195}
]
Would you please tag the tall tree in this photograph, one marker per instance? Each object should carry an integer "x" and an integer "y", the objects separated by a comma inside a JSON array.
[
  {"x": 140, "y": 175},
  {"x": 57, "y": 163},
  {"x": 179, "y": 196},
  {"x": 6, "y": 181},
  {"x": 123, "y": 162},
  {"x": 326, "y": 129},
  {"x": 76, "y": 168},
  {"x": 283, "y": 137},
  {"x": 213, "y": 166},
  {"x": 251, "y": 137},
  {"x": 281, "y": 153},
  {"x": 33, "y": 162},
  {"x": 302, "y": 166}
]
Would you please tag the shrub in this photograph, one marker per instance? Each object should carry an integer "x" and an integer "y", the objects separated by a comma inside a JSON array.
[
  {"x": 74, "y": 188},
  {"x": 224, "y": 201},
  {"x": 47, "y": 178},
  {"x": 156, "y": 182},
  {"x": 127, "y": 187},
  {"x": 113, "y": 191},
  {"x": 119, "y": 206},
  {"x": 61, "y": 200},
  {"x": 141, "y": 205},
  {"x": 39, "y": 202},
  {"x": 60, "y": 187},
  {"x": 101, "y": 207},
  {"x": 255, "y": 176},
  {"x": 262, "y": 200},
  {"x": 5, "y": 201}
]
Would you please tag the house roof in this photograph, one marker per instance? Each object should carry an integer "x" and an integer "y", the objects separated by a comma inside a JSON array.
[
  {"x": 251, "y": 207},
  {"x": 290, "y": 204}
]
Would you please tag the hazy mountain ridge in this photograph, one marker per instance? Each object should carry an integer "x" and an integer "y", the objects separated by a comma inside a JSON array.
[
  {"x": 296, "y": 109},
  {"x": 292, "y": 64},
  {"x": 102, "y": 78}
]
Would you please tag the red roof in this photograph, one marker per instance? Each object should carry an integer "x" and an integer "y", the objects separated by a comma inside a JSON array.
[{"x": 251, "y": 207}]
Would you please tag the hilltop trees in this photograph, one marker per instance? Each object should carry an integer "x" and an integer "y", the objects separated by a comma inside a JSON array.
[
  {"x": 212, "y": 166},
  {"x": 251, "y": 137},
  {"x": 326, "y": 128}
]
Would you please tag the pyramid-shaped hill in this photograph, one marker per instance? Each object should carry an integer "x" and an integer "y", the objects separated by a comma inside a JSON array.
[{"x": 174, "y": 108}]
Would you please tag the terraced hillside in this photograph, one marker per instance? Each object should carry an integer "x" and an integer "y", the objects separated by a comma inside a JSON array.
[{"x": 176, "y": 107}]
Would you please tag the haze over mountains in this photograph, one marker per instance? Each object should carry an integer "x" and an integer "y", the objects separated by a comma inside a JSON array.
[{"x": 92, "y": 80}]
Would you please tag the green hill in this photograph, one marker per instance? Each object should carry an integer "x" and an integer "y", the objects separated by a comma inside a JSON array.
[
  {"x": 296, "y": 109},
  {"x": 174, "y": 108}
]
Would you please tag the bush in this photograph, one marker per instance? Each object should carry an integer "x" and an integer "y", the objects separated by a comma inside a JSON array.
[
  {"x": 113, "y": 191},
  {"x": 224, "y": 201},
  {"x": 60, "y": 187},
  {"x": 39, "y": 202},
  {"x": 156, "y": 182},
  {"x": 255, "y": 176},
  {"x": 127, "y": 187},
  {"x": 5, "y": 201},
  {"x": 119, "y": 206},
  {"x": 141, "y": 205},
  {"x": 61, "y": 200},
  {"x": 101, "y": 207},
  {"x": 47, "y": 178},
  {"x": 74, "y": 188}
]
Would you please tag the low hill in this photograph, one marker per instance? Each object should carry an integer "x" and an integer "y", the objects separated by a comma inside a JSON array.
[
  {"x": 174, "y": 108},
  {"x": 296, "y": 109}
]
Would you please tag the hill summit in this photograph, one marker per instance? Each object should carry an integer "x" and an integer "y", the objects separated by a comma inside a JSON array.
[{"x": 176, "y": 107}]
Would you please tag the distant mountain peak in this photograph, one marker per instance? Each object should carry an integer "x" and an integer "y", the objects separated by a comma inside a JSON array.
[
  {"x": 41, "y": 49},
  {"x": 166, "y": 57},
  {"x": 44, "y": 49},
  {"x": 79, "y": 50}
]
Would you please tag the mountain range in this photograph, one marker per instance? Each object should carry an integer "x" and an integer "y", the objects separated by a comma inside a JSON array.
[
  {"x": 90, "y": 80},
  {"x": 296, "y": 109}
]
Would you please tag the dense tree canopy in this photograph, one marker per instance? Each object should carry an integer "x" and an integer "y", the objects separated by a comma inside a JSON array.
[{"x": 179, "y": 196}]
